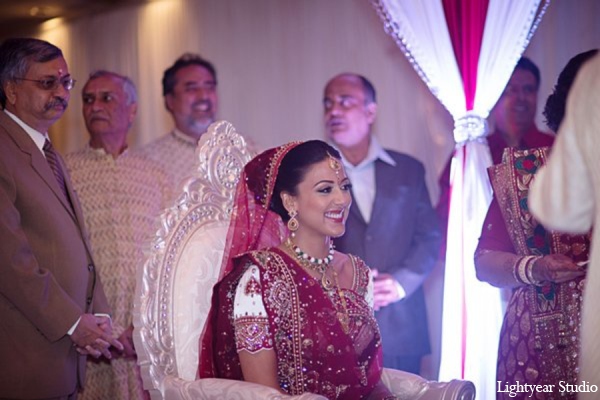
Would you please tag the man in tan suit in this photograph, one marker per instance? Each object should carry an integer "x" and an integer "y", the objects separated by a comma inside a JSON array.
[{"x": 53, "y": 311}]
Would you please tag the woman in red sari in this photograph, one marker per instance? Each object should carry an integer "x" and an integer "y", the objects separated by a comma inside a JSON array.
[
  {"x": 290, "y": 312},
  {"x": 540, "y": 338}
]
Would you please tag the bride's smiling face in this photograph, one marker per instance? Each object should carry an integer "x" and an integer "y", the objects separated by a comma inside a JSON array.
[{"x": 323, "y": 199}]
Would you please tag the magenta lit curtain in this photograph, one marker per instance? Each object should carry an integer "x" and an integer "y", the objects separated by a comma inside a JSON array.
[{"x": 466, "y": 20}]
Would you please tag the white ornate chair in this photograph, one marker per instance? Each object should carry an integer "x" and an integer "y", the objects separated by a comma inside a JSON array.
[{"x": 174, "y": 287}]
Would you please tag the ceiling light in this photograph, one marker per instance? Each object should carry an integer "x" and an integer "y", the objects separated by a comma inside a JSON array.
[{"x": 44, "y": 11}]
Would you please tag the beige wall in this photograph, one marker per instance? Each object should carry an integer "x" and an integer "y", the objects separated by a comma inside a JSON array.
[{"x": 273, "y": 58}]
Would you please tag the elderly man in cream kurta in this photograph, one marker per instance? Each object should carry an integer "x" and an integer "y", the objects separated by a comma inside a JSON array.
[
  {"x": 565, "y": 196},
  {"x": 122, "y": 195}
]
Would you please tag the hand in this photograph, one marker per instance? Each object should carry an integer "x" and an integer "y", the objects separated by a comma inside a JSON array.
[
  {"x": 104, "y": 323},
  {"x": 93, "y": 336},
  {"x": 126, "y": 340},
  {"x": 556, "y": 268},
  {"x": 385, "y": 290}
]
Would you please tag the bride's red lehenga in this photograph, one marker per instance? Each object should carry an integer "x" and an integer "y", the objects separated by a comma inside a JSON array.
[{"x": 316, "y": 352}]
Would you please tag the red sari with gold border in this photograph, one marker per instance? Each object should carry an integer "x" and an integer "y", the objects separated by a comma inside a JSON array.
[{"x": 539, "y": 339}]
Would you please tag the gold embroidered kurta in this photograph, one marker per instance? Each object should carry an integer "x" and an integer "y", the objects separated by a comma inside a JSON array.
[{"x": 121, "y": 200}]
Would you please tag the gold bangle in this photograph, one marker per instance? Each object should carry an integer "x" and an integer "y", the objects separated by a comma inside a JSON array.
[
  {"x": 522, "y": 271},
  {"x": 520, "y": 268},
  {"x": 515, "y": 270},
  {"x": 529, "y": 271}
]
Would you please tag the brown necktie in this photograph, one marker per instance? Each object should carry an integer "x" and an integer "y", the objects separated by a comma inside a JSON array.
[{"x": 54, "y": 164}]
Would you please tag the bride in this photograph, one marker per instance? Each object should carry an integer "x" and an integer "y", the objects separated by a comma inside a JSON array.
[{"x": 289, "y": 311}]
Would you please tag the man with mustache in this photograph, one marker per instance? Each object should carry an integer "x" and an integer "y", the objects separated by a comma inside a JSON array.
[
  {"x": 190, "y": 93},
  {"x": 121, "y": 194},
  {"x": 53, "y": 311},
  {"x": 391, "y": 224}
]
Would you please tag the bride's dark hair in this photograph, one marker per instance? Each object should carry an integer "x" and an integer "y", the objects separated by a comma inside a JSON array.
[{"x": 293, "y": 168}]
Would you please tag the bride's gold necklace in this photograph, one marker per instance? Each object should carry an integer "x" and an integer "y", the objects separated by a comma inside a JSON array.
[
  {"x": 320, "y": 265},
  {"x": 344, "y": 317}
]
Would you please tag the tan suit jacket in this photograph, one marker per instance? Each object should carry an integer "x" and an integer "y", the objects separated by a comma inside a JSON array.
[{"x": 47, "y": 278}]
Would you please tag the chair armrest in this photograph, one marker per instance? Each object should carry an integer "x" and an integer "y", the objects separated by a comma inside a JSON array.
[
  {"x": 409, "y": 386},
  {"x": 213, "y": 388}
]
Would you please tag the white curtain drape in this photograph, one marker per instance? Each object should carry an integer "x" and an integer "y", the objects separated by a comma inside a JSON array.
[
  {"x": 472, "y": 310},
  {"x": 509, "y": 26},
  {"x": 420, "y": 30}
]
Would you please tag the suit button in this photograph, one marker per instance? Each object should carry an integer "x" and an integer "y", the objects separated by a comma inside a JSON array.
[
  {"x": 90, "y": 267},
  {"x": 89, "y": 301}
]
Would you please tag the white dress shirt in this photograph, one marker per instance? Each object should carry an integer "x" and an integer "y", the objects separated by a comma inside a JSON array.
[
  {"x": 38, "y": 138},
  {"x": 362, "y": 177}
]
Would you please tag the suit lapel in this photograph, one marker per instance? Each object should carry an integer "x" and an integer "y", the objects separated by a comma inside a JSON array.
[
  {"x": 355, "y": 211},
  {"x": 383, "y": 184},
  {"x": 38, "y": 161},
  {"x": 40, "y": 165},
  {"x": 72, "y": 206},
  {"x": 76, "y": 206}
]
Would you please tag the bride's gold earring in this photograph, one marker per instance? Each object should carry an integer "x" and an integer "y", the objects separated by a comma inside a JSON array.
[{"x": 292, "y": 223}]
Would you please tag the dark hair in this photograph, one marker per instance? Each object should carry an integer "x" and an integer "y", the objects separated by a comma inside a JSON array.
[
  {"x": 127, "y": 84},
  {"x": 17, "y": 55},
  {"x": 554, "y": 110},
  {"x": 293, "y": 169},
  {"x": 368, "y": 89},
  {"x": 169, "y": 81},
  {"x": 528, "y": 65}
]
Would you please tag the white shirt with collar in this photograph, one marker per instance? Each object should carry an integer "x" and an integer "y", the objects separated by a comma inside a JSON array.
[
  {"x": 362, "y": 177},
  {"x": 38, "y": 138}
]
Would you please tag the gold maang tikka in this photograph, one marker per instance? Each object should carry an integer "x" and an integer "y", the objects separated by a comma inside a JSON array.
[{"x": 335, "y": 165}]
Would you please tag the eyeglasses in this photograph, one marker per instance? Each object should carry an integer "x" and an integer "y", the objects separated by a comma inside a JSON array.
[{"x": 52, "y": 83}]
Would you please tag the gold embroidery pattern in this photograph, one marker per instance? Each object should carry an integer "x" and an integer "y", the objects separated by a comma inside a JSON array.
[
  {"x": 296, "y": 354},
  {"x": 252, "y": 334},
  {"x": 539, "y": 341},
  {"x": 252, "y": 287}
]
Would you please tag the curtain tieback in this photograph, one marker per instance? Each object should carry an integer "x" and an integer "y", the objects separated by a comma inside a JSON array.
[{"x": 470, "y": 127}]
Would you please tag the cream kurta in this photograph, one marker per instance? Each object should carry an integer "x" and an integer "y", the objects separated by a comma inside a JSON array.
[
  {"x": 175, "y": 153},
  {"x": 565, "y": 194},
  {"x": 121, "y": 200}
]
